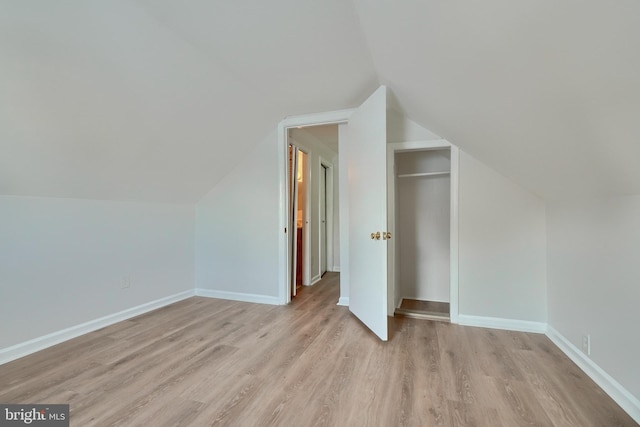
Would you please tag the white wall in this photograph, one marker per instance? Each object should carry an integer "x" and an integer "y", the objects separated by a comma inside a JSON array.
[
  {"x": 237, "y": 226},
  {"x": 62, "y": 260},
  {"x": 402, "y": 129},
  {"x": 502, "y": 236},
  {"x": 502, "y": 248},
  {"x": 594, "y": 281},
  {"x": 336, "y": 214}
]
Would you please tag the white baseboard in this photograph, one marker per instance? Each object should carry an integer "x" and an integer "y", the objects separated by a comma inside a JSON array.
[
  {"x": 617, "y": 392},
  {"x": 237, "y": 296},
  {"x": 28, "y": 347},
  {"x": 315, "y": 280},
  {"x": 506, "y": 324},
  {"x": 335, "y": 269},
  {"x": 344, "y": 301}
]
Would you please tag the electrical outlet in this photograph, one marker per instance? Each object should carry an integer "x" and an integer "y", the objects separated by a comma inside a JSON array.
[{"x": 586, "y": 344}]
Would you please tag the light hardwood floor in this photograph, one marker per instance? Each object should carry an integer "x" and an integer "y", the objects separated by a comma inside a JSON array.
[
  {"x": 203, "y": 362},
  {"x": 427, "y": 306}
]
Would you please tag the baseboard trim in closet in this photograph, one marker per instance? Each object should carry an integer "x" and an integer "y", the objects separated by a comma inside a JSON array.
[{"x": 419, "y": 314}]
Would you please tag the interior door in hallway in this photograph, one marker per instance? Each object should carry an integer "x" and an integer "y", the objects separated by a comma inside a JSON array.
[
  {"x": 323, "y": 219},
  {"x": 293, "y": 244}
]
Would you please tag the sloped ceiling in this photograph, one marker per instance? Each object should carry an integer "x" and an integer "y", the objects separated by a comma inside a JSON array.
[
  {"x": 156, "y": 100},
  {"x": 546, "y": 92}
]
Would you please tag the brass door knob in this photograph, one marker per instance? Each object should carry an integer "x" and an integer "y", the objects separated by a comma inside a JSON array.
[
  {"x": 375, "y": 236},
  {"x": 386, "y": 235}
]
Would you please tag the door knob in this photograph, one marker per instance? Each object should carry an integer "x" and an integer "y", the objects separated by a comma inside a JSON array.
[
  {"x": 375, "y": 236},
  {"x": 386, "y": 235}
]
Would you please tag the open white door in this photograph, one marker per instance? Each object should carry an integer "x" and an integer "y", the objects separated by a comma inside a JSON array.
[{"x": 367, "y": 172}]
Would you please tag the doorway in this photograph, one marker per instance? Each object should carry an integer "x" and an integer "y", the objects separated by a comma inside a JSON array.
[
  {"x": 338, "y": 118},
  {"x": 423, "y": 213},
  {"x": 298, "y": 172},
  {"x": 312, "y": 153}
]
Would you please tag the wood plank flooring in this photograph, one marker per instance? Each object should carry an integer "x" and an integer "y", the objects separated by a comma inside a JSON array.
[
  {"x": 428, "y": 306},
  {"x": 203, "y": 362}
]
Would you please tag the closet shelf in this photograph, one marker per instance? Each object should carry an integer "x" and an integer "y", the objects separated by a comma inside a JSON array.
[{"x": 415, "y": 175}]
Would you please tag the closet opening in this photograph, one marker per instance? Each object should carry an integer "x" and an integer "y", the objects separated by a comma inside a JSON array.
[{"x": 422, "y": 212}]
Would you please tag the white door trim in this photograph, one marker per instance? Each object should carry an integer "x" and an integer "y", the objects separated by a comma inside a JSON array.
[
  {"x": 326, "y": 118},
  {"x": 306, "y": 221},
  {"x": 328, "y": 214},
  {"x": 392, "y": 148}
]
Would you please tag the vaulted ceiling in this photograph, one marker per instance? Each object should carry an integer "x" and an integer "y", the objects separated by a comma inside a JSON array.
[{"x": 156, "y": 100}]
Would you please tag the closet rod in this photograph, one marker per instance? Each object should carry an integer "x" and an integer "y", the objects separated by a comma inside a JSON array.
[{"x": 413, "y": 175}]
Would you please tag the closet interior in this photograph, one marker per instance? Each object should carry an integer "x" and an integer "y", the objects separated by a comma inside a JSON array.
[{"x": 422, "y": 225}]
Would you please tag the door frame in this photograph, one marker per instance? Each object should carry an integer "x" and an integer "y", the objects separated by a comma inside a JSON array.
[
  {"x": 315, "y": 119},
  {"x": 328, "y": 167},
  {"x": 306, "y": 235},
  {"x": 437, "y": 144}
]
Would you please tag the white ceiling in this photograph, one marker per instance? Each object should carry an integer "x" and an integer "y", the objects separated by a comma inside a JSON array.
[
  {"x": 547, "y": 92},
  {"x": 155, "y": 100},
  {"x": 324, "y": 134}
]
